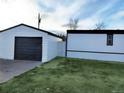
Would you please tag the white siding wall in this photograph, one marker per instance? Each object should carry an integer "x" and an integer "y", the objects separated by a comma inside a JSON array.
[
  {"x": 61, "y": 48},
  {"x": 53, "y": 47},
  {"x": 95, "y": 42},
  {"x": 7, "y": 41}
]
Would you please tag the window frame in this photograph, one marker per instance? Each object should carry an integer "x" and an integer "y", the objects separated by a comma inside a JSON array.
[{"x": 110, "y": 39}]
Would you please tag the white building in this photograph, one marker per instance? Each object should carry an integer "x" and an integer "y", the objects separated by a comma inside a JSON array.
[
  {"x": 23, "y": 42},
  {"x": 99, "y": 45}
]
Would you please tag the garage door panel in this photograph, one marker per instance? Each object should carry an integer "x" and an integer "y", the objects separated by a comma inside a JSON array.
[{"x": 28, "y": 48}]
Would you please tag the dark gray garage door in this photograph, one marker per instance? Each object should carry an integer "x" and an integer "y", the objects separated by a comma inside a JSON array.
[{"x": 28, "y": 48}]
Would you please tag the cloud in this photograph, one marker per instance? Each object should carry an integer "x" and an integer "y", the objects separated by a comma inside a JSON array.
[
  {"x": 61, "y": 14},
  {"x": 58, "y": 12},
  {"x": 116, "y": 20},
  {"x": 118, "y": 15},
  {"x": 25, "y": 11},
  {"x": 90, "y": 21},
  {"x": 17, "y": 11}
]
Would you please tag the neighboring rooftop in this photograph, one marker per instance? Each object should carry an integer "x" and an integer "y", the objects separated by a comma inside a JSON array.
[{"x": 96, "y": 31}]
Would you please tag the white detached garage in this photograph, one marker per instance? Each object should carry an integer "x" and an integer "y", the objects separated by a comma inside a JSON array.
[
  {"x": 99, "y": 45},
  {"x": 23, "y": 42}
]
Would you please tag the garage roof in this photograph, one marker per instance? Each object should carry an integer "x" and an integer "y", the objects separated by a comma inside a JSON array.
[
  {"x": 32, "y": 28},
  {"x": 96, "y": 31}
]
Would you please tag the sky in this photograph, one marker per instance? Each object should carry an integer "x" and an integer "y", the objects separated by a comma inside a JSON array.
[{"x": 56, "y": 13}]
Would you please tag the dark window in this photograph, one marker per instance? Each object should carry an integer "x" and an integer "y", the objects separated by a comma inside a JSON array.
[{"x": 109, "y": 39}]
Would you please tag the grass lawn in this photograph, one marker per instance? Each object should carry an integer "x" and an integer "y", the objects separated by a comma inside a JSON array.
[{"x": 69, "y": 76}]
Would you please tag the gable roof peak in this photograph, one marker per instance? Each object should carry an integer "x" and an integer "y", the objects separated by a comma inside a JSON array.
[{"x": 22, "y": 24}]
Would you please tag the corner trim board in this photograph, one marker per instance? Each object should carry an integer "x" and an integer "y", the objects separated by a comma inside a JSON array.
[{"x": 66, "y": 47}]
